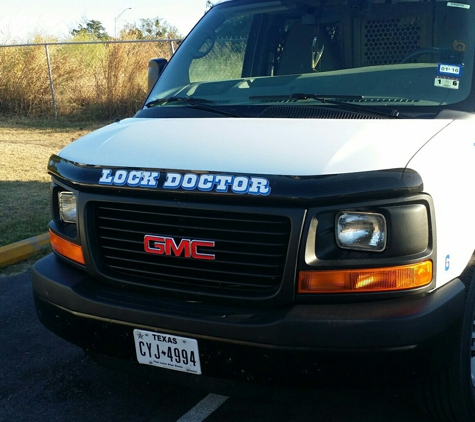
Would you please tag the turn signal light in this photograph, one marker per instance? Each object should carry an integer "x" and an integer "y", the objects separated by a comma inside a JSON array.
[
  {"x": 67, "y": 249},
  {"x": 366, "y": 280}
]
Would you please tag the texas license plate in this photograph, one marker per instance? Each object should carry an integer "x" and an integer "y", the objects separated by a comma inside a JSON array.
[{"x": 167, "y": 351}]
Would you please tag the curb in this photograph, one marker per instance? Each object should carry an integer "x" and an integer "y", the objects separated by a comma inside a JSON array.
[{"x": 16, "y": 252}]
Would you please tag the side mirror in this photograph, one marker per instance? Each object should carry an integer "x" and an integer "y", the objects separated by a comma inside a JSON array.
[{"x": 155, "y": 68}]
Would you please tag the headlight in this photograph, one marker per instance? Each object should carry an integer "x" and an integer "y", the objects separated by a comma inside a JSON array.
[
  {"x": 67, "y": 207},
  {"x": 361, "y": 231}
]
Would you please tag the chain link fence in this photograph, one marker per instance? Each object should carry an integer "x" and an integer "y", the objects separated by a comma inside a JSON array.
[
  {"x": 83, "y": 80},
  {"x": 223, "y": 61}
]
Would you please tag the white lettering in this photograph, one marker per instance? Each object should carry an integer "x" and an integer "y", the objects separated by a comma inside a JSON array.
[
  {"x": 206, "y": 182},
  {"x": 259, "y": 186},
  {"x": 189, "y": 181},
  {"x": 173, "y": 181},
  {"x": 222, "y": 182},
  {"x": 149, "y": 179},
  {"x": 134, "y": 178},
  {"x": 120, "y": 177},
  {"x": 106, "y": 178},
  {"x": 240, "y": 184}
]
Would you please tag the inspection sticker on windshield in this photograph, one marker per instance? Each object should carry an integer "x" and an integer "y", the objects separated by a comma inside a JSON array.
[
  {"x": 449, "y": 83},
  {"x": 167, "y": 351},
  {"x": 459, "y": 5},
  {"x": 449, "y": 69}
]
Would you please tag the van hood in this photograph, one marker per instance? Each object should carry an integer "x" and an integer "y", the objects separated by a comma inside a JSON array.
[{"x": 292, "y": 147}]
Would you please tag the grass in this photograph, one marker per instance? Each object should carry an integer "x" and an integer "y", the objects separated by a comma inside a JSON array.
[
  {"x": 26, "y": 145},
  {"x": 23, "y": 265},
  {"x": 24, "y": 212},
  {"x": 94, "y": 81}
]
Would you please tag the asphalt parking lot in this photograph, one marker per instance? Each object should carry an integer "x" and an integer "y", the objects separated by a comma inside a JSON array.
[{"x": 43, "y": 378}]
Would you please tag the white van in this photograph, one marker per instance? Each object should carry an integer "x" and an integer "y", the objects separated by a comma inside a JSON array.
[{"x": 290, "y": 206}]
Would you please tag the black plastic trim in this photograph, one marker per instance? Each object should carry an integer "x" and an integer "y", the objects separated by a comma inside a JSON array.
[
  {"x": 410, "y": 222},
  {"x": 361, "y": 191},
  {"x": 101, "y": 319},
  {"x": 284, "y": 293},
  {"x": 292, "y": 189},
  {"x": 397, "y": 323}
]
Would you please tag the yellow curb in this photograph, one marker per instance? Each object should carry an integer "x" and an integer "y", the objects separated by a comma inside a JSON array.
[{"x": 16, "y": 252}]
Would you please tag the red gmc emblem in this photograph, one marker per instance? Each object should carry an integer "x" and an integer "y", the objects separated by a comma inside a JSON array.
[{"x": 162, "y": 245}]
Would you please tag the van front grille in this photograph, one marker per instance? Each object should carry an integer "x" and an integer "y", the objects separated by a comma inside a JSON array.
[{"x": 249, "y": 249}]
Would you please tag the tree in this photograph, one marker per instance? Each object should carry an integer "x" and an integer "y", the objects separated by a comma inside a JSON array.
[
  {"x": 91, "y": 29},
  {"x": 236, "y": 27},
  {"x": 149, "y": 29}
]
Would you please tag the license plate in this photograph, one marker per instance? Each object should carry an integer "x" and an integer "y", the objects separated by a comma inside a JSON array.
[{"x": 167, "y": 351}]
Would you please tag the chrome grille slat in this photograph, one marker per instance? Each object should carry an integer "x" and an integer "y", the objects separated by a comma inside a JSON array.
[
  {"x": 217, "y": 280},
  {"x": 183, "y": 214},
  {"x": 215, "y": 250},
  {"x": 182, "y": 226},
  {"x": 229, "y": 285},
  {"x": 226, "y": 262}
]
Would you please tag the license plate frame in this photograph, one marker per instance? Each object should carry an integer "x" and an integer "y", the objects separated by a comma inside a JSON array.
[{"x": 167, "y": 351}]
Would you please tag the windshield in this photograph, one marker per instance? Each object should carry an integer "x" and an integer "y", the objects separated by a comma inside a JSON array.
[{"x": 368, "y": 53}]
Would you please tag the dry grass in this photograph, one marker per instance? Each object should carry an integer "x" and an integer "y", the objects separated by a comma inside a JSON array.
[
  {"x": 22, "y": 266},
  {"x": 24, "y": 183},
  {"x": 91, "y": 81}
]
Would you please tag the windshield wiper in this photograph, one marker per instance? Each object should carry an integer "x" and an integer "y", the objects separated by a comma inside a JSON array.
[
  {"x": 301, "y": 96},
  {"x": 198, "y": 103},
  {"x": 340, "y": 100}
]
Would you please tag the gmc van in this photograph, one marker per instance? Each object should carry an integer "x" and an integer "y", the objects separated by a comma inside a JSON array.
[{"x": 290, "y": 206}]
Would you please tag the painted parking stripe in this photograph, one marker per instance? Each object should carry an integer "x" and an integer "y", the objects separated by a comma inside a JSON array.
[{"x": 204, "y": 408}]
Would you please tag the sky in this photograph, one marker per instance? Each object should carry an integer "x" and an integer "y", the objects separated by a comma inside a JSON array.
[{"x": 20, "y": 20}]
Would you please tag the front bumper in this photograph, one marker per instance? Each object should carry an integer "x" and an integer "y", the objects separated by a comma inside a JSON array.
[{"x": 300, "y": 344}]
